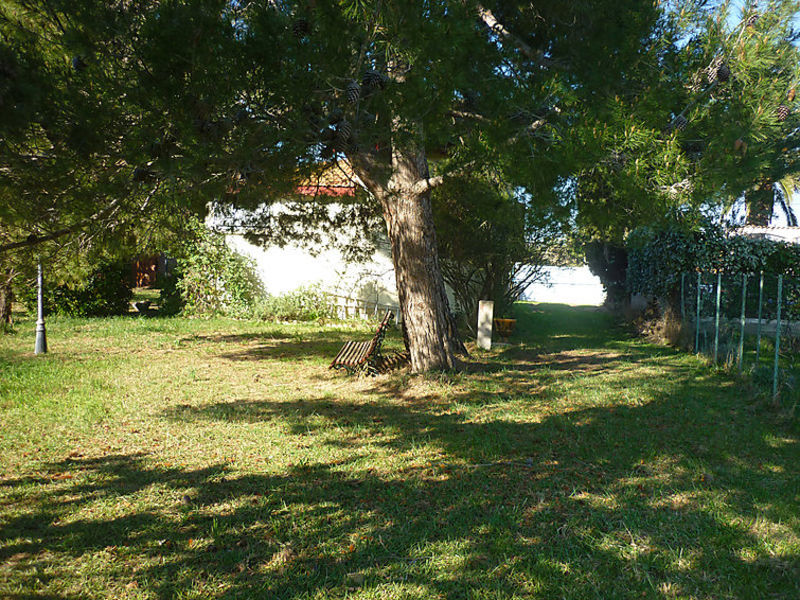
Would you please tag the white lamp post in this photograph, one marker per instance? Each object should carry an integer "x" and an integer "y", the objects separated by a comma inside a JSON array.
[{"x": 41, "y": 335}]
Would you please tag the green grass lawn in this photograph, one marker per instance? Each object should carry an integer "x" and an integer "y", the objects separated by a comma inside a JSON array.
[{"x": 173, "y": 458}]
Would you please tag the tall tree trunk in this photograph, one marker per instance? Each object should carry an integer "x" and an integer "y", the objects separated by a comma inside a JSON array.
[
  {"x": 431, "y": 331},
  {"x": 609, "y": 262},
  {"x": 6, "y": 298},
  {"x": 759, "y": 202}
]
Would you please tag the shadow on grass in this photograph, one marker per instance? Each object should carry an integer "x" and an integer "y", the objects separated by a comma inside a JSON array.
[
  {"x": 273, "y": 345},
  {"x": 686, "y": 493},
  {"x": 575, "y": 506}
]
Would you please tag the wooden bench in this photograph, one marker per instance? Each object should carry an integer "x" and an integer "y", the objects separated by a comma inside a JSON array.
[{"x": 366, "y": 357}]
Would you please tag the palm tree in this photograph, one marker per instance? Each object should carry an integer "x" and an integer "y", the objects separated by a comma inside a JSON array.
[{"x": 786, "y": 187}]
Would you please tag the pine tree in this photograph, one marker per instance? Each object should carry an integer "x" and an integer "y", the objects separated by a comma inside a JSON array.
[
  {"x": 241, "y": 100},
  {"x": 748, "y": 125},
  {"x": 690, "y": 133}
]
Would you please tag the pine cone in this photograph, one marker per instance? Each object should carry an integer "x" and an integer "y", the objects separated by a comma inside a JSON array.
[
  {"x": 328, "y": 134},
  {"x": 782, "y": 112},
  {"x": 680, "y": 122},
  {"x": 353, "y": 92},
  {"x": 790, "y": 96},
  {"x": 718, "y": 71},
  {"x": 301, "y": 27},
  {"x": 372, "y": 80},
  {"x": 344, "y": 131},
  {"x": 336, "y": 115},
  {"x": 752, "y": 20}
]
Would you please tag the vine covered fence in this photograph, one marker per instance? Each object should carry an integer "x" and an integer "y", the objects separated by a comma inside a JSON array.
[{"x": 747, "y": 322}]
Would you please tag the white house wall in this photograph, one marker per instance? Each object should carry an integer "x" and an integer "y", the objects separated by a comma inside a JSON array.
[{"x": 291, "y": 267}]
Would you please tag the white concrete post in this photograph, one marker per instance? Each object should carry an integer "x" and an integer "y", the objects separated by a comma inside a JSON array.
[{"x": 485, "y": 316}]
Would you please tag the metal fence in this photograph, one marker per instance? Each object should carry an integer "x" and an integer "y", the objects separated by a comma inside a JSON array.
[{"x": 750, "y": 323}]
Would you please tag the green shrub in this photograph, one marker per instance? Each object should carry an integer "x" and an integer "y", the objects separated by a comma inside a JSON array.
[
  {"x": 170, "y": 302},
  {"x": 659, "y": 255},
  {"x": 303, "y": 304},
  {"x": 107, "y": 291},
  {"x": 216, "y": 280}
]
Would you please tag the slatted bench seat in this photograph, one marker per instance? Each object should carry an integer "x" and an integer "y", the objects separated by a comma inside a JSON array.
[{"x": 366, "y": 357}]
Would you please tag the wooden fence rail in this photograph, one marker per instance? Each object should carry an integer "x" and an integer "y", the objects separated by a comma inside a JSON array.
[{"x": 348, "y": 307}]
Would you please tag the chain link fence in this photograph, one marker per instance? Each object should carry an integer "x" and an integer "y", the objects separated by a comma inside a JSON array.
[{"x": 750, "y": 323}]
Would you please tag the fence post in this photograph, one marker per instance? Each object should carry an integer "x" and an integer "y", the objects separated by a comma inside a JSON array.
[
  {"x": 777, "y": 341},
  {"x": 697, "y": 324},
  {"x": 760, "y": 305},
  {"x": 741, "y": 333},
  {"x": 716, "y": 324}
]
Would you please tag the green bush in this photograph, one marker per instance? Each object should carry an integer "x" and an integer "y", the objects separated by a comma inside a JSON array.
[
  {"x": 659, "y": 255},
  {"x": 107, "y": 291},
  {"x": 216, "y": 280},
  {"x": 170, "y": 302},
  {"x": 302, "y": 304}
]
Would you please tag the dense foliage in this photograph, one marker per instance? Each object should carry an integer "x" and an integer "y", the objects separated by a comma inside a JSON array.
[
  {"x": 660, "y": 254},
  {"x": 707, "y": 116},
  {"x": 106, "y": 291},
  {"x": 119, "y": 114},
  {"x": 167, "y": 104},
  {"x": 493, "y": 242},
  {"x": 609, "y": 262},
  {"x": 216, "y": 280},
  {"x": 303, "y": 304}
]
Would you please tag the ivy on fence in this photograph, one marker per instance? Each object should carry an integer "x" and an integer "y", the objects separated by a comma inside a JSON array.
[{"x": 738, "y": 298}]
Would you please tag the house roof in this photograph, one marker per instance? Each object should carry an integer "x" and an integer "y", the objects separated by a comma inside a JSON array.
[{"x": 337, "y": 179}]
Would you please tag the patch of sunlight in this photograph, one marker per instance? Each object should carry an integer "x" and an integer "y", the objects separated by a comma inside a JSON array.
[
  {"x": 686, "y": 560},
  {"x": 774, "y": 441},
  {"x": 678, "y": 501},
  {"x": 773, "y": 533},
  {"x": 748, "y": 555},
  {"x": 407, "y": 591},
  {"x": 627, "y": 545},
  {"x": 598, "y": 501},
  {"x": 447, "y": 556},
  {"x": 670, "y": 589},
  {"x": 563, "y": 566},
  {"x": 773, "y": 468}
]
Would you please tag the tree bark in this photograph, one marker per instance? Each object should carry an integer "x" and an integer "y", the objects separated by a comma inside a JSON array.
[
  {"x": 759, "y": 202},
  {"x": 6, "y": 299},
  {"x": 431, "y": 331},
  {"x": 609, "y": 263}
]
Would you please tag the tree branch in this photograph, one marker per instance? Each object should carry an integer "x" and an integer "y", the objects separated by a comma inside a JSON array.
[
  {"x": 461, "y": 114},
  {"x": 33, "y": 240},
  {"x": 426, "y": 185},
  {"x": 497, "y": 27}
]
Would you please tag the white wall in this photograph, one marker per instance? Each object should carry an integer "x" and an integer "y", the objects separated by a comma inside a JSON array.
[
  {"x": 286, "y": 269},
  {"x": 568, "y": 285}
]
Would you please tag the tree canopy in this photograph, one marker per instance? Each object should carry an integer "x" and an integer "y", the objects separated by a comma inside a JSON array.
[
  {"x": 710, "y": 115},
  {"x": 131, "y": 110}
]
